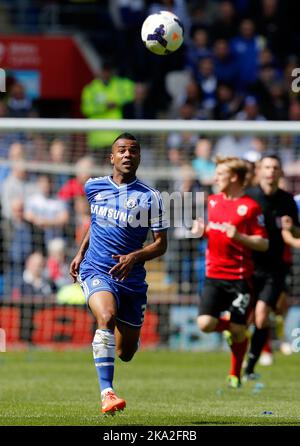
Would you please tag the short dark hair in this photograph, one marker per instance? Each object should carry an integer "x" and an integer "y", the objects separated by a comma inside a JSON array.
[
  {"x": 273, "y": 156},
  {"x": 129, "y": 136}
]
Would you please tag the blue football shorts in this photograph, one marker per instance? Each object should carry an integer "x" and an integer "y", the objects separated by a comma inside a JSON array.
[{"x": 131, "y": 304}]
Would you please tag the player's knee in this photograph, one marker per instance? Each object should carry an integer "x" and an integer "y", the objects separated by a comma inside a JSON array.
[
  {"x": 206, "y": 323},
  {"x": 261, "y": 322},
  {"x": 106, "y": 320},
  {"x": 125, "y": 356}
]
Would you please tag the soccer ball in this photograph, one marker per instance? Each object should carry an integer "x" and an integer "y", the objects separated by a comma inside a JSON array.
[{"x": 162, "y": 33}]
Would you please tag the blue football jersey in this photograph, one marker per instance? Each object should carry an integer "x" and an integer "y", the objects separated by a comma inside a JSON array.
[{"x": 121, "y": 216}]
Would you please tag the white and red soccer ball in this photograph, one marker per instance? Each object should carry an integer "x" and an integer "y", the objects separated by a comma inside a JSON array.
[{"x": 162, "y": 33}]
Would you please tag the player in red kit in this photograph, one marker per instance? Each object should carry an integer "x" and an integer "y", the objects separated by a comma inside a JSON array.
[{"x": 235, "y": 227}]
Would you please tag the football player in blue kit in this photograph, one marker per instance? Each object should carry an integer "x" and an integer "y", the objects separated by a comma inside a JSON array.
[{"x": 109, "y": 264}]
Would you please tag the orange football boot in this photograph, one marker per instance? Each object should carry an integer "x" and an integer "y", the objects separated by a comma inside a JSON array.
[{"x": 111, "y": 403}]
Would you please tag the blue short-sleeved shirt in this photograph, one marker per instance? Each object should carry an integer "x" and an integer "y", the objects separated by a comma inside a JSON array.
[{"x": 121, "y": 216}]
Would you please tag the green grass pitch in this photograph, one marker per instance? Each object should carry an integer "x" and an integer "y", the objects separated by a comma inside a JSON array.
[{"x": 161, "y": 388}]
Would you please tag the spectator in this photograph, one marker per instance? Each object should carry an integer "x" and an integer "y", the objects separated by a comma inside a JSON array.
[
  {"x": 203, "y": 14},
  {"x": 228, "y": 102},
  {"x": 47, "y": 214},
  {"x": 104, "y": 98},
  {"x": 202, "y": 163},
  {"x": 289, "y": 159},
  {"x": 225, "y": 26},
  {"x": 5, "y": 138},
  {"x": 271, "y": 21},
  {"x": 74, "y": 187},
  {"x": 181, "y": 254},
  {"x": 229, "y": 145},
  {"x": 15, "y": 153},
  {"x": 192, "y": 95},
  {"x": 266, "y": 58},
  {"x": 57, "y": 266},
  {"x": 294, "y": 110},
  {"x": 38, "y": 147},
  {"x": 18, "y": 105},
  {"x": 35, "y": 283},
  {"x": 246, "y": 48},
  {"x": 82, "y": 218},
  {"x": 15, "y": 185},
  {"x": 17, "y": 246},
  {"x": 250, "y": 179},
  {"x": 207, "y": 81},
  {"x": 232, "y": 145},
  {"x": 226, "y": 66},
  {"x": 250, "y": 111},
  {"x": 258, "y": 148},
  {"x": 128, "y": 16},
  {"x": 141, "y": 107},
  {"x": 197, "y": 49},
  {"x": 267, "y": 77},
  {"x": 279, "y": 102},
  {"x": 3, "y": 110},
  {"x": 184, "y": 141},
  {"x": 57, "y": 156}
]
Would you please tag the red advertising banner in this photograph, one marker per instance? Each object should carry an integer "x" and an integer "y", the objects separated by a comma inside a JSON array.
[
  {"x": 63, "y": 69},
  {"x": 61, "y": 326}
]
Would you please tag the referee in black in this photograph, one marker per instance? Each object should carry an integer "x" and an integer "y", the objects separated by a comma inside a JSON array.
[{"x": 270, "y": 268}]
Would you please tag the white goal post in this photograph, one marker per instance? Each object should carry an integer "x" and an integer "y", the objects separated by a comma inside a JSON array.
[
  {"x": 208, "y": 127},
  {"x": 160, "y": 127}
]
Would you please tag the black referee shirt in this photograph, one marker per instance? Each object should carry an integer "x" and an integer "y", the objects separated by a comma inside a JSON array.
[{"x": 274, "y": 207}]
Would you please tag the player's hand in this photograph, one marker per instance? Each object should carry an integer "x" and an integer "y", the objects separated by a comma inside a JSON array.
[
  {"x": 286, "y": 223},
  {"x": 231, "y": 231},
  {"x": 198, "y": 227},
  {"x": 287, "y": 236},
  {"x": 74, "y": 267},
  {"x": 122, "y": 269}
]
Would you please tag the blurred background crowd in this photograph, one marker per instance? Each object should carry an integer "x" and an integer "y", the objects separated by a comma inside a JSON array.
[{"x": 236, "y": 63}]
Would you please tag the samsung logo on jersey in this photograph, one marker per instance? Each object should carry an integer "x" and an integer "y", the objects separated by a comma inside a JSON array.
[{"x": 111, "y": 213}]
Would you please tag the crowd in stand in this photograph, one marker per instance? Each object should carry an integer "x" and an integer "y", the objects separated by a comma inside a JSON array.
[{"x": 236, "y": 63}]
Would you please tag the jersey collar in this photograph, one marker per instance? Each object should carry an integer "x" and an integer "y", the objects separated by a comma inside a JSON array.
[{"x": 121, "y": 185}]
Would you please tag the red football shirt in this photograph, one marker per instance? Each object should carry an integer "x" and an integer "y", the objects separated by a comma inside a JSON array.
[
  {"x": 71, "y": 189},
  {"x": 226, "y": 258}
]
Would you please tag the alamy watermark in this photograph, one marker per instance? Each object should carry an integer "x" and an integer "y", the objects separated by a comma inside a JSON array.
[
  {"x": 2, "y": 340},
  {"x": 296, "y": 81},
  {"x": 2, "y": 81},
  {"x": 296, "y": 342},
  {"x": 173, "y": 210}
]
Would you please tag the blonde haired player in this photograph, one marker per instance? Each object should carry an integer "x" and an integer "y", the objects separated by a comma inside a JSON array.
[{"x": 235, "y": 227}]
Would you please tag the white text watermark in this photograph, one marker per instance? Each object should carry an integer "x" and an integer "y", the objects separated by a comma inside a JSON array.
[
  {"x": 296, "y": 81},
  {"x": 296, "y": 341},
  {"x": 2, "y": 81}
]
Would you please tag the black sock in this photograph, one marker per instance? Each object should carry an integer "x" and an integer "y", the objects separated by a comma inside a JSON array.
[{"x": 258, "y": 341}]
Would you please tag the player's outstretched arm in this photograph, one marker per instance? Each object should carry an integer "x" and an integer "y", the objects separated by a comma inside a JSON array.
[
  {"x": 289, "y": 239},
  {"x": 255, "y": 242},
  {"x": 287, "y": 224},
  {"x": 155, "y": 249},
  {"x": 74, "y": 266}
]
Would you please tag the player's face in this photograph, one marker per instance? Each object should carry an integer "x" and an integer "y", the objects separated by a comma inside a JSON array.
[
  {"x": 270, "y": 171},
  {"x": 223, "y": 178},
  {"x": 125, "y": 156}
]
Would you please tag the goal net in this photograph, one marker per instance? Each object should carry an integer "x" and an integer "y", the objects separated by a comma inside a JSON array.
[{"x": 44, "y": 164}]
